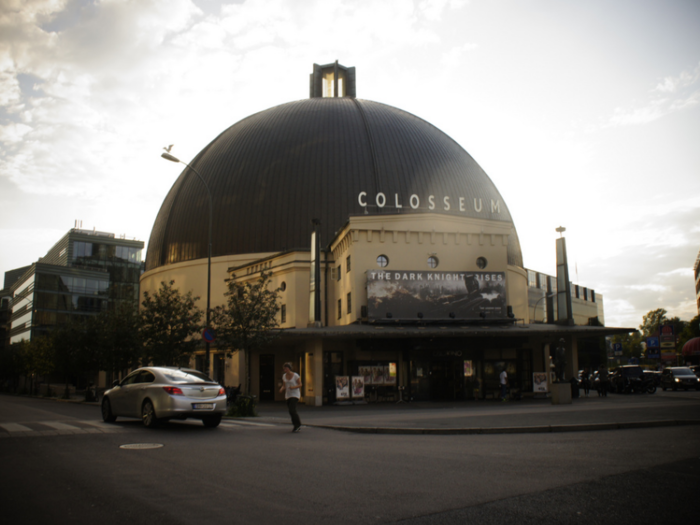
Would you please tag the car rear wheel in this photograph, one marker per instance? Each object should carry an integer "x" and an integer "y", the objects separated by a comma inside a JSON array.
[
  {"x": 107, "y": 415},
  {"x": 148, "y": 414},
  {"x": 211, "y": 421}
]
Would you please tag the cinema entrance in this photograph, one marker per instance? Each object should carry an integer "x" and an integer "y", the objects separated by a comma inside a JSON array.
[{"x": 440, "y": 374}]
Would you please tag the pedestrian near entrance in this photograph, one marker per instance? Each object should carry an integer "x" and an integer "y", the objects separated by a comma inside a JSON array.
[
  {"x": 586, "y": 381},
  {"x": 603, "y": 381},
  {"x": 291, "y": 386},
  {"x": 504, "y": 384}
]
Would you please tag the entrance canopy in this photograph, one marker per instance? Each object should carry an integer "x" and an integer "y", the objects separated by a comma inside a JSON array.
[{"x": 361, "y": 331}]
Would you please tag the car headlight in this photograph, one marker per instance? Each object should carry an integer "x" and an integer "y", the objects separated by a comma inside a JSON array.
[{"x": 677, "y": 380}]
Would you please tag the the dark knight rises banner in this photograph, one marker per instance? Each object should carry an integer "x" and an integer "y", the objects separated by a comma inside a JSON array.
[{"x": 405, "y": 294}]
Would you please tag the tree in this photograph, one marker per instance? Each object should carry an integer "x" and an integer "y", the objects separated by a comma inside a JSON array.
[
  {"x": 631, "y": 344},
  {"x": 651, "y": 322},
  {"x": 690, "y": 330},
  {"x": 40, "y": 361},
  {"x": 68, "y": 341},
  {"x": 248, "y": 320},
  {"x": 118, "y": 337},
  {"x": 168, "y": 322}
]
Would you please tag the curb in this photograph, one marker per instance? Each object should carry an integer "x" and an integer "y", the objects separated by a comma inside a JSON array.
[{"x": 513, "y": 430}]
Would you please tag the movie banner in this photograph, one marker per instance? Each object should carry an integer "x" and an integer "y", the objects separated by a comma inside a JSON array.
[
  {"x": 342, "y": 387},
  {"x": 358, "y": 387},
  {"x": 405, "y": 294}
]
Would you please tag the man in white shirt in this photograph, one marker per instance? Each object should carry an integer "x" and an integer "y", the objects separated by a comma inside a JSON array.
[{"x": 504, "y": 384}]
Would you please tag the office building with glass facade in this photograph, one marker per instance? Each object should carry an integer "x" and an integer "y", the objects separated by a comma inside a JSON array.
[{"x": 85, "y": 273}]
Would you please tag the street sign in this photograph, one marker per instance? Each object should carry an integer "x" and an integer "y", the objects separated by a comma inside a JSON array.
[
  {"x": 617, "y": 349},
  {"x": 666, "y": 335},
  {"x": 653, "y": 351},
  {"x": 209, "y": 335}
]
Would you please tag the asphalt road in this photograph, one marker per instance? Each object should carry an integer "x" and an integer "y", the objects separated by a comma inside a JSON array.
[{"x": 67, "y": 467}]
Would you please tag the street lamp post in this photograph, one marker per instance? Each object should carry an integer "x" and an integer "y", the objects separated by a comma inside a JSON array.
[
  {"x": 538, "y": 302},
  {"x": 172, "y": 158}
]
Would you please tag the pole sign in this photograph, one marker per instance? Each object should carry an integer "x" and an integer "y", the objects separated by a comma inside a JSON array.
[
  {"x": 209, "y": 335},
  {"x": 617, "y": 349},
  {"x": 653, "y": 348},
  {"x": 666, "y": 338}
]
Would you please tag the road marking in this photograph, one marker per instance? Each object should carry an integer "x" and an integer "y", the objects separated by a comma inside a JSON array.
[
  {"x": 247, "y": 423},
  {"x": 100, "y": 424},
  {"x": 15, "y": 427},
  {"x": 59, "y": 426}
]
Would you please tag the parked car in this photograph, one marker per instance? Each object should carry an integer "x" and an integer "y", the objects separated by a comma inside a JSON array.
[
  {"x": 695, "y": 369},
  {"x": 628, "y": 378},
  {"x": 653, "y": 375},
  {"x": 676, "y": 377},
  {"x": 157, "y": 394}
]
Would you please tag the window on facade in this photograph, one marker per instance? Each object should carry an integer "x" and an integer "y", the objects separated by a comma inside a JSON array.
[
  {"x": 382, "y": 261},
  {"x": 283, "y": 314},
  {"x": 433, "y": 261},
  {"x": 531, "y": 279},
  {"x": 347, "y": 263},
  {"x": 349, "y": 303},
  {"x": 340, "y": 308},
  {"x": 283, "y": 286},
  {"x": 338, "y": 273},
  {"x": 481, "y": 263}
]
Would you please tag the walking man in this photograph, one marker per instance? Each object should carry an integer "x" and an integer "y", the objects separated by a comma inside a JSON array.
[
  {"x": 504, "y": 384},
  {"x": 291, "y": 386}
]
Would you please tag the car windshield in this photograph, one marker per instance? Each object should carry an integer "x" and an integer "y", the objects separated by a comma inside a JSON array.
[
  {"x": 683, "y": 372},
  {"x": 186, "y": 376}
]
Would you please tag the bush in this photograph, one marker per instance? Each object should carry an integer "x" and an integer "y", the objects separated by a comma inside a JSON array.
[{"x": 243, "y": 406}]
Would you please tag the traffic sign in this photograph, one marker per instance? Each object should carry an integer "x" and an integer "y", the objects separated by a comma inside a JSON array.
[
  {"x": 617, "y": 348},
  {"x": 209, "y": 335}
]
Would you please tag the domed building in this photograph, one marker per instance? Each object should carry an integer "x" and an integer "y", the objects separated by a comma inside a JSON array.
[{"x": 415, "y": 281}]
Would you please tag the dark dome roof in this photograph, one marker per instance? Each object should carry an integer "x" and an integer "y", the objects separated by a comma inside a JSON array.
[{"x": 273, "y": 172}]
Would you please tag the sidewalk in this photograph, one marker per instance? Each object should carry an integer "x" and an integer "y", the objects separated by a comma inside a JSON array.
[{"x": 491, "y": 417}]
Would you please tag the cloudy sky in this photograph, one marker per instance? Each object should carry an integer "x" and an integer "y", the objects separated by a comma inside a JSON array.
[{"x": 585, "y": 114}]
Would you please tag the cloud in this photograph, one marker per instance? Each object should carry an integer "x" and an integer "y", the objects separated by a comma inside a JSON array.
[
  {"x": 670, "y": 95},
  {"x": 453, "y": 57}
]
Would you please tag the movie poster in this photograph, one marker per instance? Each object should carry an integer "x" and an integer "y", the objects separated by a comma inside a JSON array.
[
  {"x": 390, "y": 374},
  {"x": 468, "y": 369},
  {"x": 366, "y": 373},
  {"x": 342, "y": 387},
  {"x": 435, "y": 295},
  {"x": 377, "y": 375},
  {"x": 539, "y": 382},
  {"x": 358, "y": 387}
]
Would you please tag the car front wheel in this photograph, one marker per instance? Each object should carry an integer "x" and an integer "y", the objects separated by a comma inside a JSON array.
[
  {"x": 107, "y": 415},
  {"x": 211, "y": 421},
  {"x": 148, "y": 414}
]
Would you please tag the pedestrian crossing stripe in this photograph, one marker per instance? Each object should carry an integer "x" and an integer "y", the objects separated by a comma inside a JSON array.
[{"x": 247, "y": 423}]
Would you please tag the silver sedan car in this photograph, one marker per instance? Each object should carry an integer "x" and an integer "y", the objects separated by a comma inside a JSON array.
[{"x": 158, "y": 394}]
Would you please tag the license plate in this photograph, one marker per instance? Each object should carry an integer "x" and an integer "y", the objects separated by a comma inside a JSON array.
[{"x": 203, "y": 406}]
